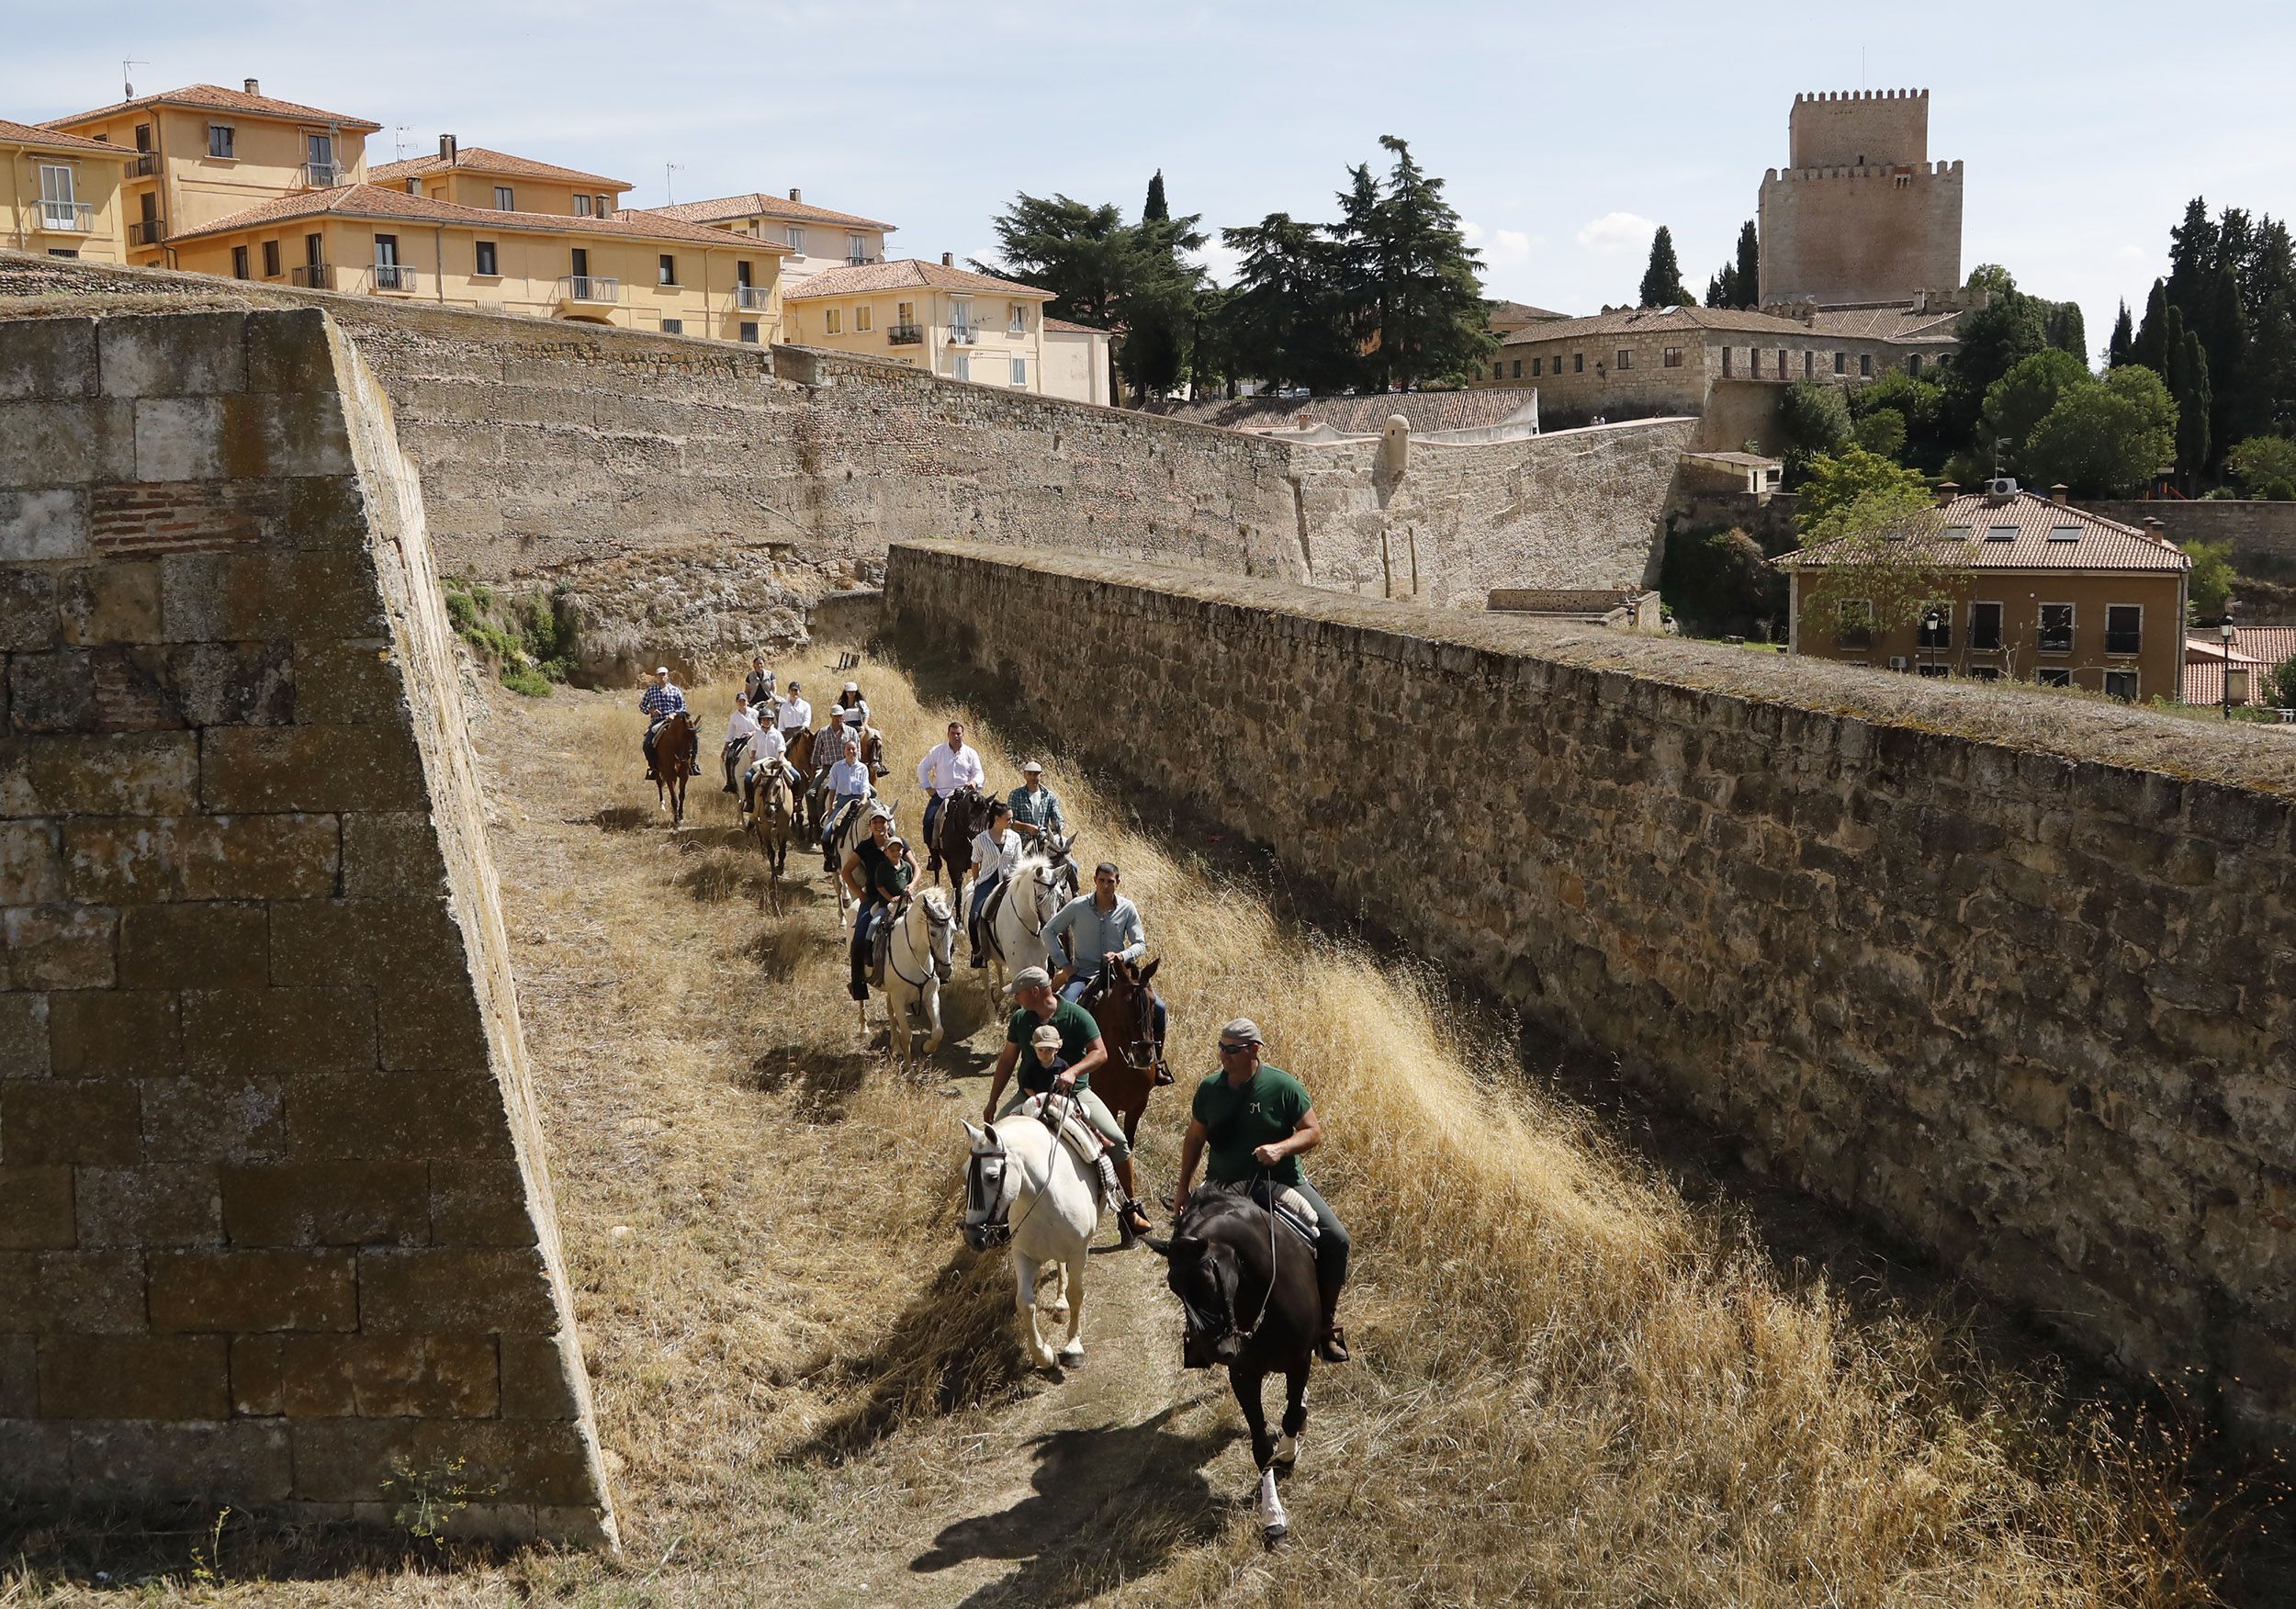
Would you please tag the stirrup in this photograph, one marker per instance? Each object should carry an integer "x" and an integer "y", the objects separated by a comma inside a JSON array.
[{"x": 1333, "y": 1348}]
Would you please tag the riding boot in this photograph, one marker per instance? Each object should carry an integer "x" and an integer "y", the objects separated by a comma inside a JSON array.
[{"x": 1333, "y": 1347}]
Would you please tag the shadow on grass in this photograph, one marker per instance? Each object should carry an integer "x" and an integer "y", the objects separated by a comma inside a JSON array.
[
  {"x": 136, "y": 1552},
  {"x": 623, "y": 818},
  {"x": 1110, "y": 1504},
  {"x": 826, "y": 1081}
]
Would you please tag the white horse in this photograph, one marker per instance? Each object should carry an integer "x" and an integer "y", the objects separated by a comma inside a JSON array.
[
  {"x": 919, "y": 959},
  {"x": 850, "y": 836},
  {"x": 1035, "y": 889},
  {"x": 1023, "y": 1184}
]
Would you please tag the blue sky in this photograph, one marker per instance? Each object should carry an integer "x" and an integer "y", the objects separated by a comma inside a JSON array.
[{"x": 1565, "y": 133}]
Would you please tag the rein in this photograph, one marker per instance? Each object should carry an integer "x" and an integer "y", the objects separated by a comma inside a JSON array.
[
  {"x": 1044, "y": 1116},
  {"x": 933, "y": 924}
]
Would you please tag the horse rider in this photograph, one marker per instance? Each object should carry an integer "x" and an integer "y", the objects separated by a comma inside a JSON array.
[
  {"x": 844, "y": 726},
  {"x": 1036, "y": 809},
  {"x": 994, "y": 849},
  {"x": 741, "y": 730},
  {"x": 950, "y": 767},
  {"x": 658, "y": 703},
  {"x": 1250, "y": 1122},
  {"x": 795, "y": 715},
  {"x": 848, "y": 785},
  {"x": 758, "y": 686},
  {"x": 766, "y": 748},
  {"x": 849, "y": 698},
  {"x": 1083, "y": 1050},
  {"x": 1095, "y": 930},
  {"x": 877, "y": 871}
]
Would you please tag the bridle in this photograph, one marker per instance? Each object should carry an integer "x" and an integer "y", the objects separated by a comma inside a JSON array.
[
  {"x": 1146, "y": 1053},
  {"x": 934, "y": 926},
  {"x": 1245, "y": 1336},
  {"x": 992, "y": 1231}
]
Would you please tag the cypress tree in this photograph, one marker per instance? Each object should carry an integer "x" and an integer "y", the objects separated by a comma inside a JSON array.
[
  {"x": 1748, "y": 285},
  {"x": 1662, "y": 280},
  {"x": 1154, "y": 210},
  {"x": 2151, "y": 347},
  {"x": 1718, "y": 287},
  {"x": 2189, "y": 385},
  {"x": 2117, "y": 349}
]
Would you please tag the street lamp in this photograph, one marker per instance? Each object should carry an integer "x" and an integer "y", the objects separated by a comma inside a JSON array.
[
  {"x": 1930, "y": 624},
  {"x": 2226, "y": 632}
]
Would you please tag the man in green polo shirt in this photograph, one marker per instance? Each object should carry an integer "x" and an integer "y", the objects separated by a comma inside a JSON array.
[
  {"x": 1250, "y": 1121},
  {"x": 1083, "y": 1050}
]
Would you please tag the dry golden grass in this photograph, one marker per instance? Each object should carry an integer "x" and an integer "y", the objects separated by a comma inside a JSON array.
[{"x": 1571, "y": 1388}]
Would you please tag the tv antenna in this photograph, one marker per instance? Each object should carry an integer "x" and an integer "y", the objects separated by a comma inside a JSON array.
[
  {"x": 667, "y": 169},
  {"x": 398, "y": 138},
  {"x": 127, "y": 73}
]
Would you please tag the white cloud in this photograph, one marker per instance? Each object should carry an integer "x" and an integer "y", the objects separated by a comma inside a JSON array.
[
  {"x": 1500, "y": 248},
  {"x": 1219, "y": 260},
  {"x": 1617, "y": 233},
  {"x": 2131, "y": 254}
]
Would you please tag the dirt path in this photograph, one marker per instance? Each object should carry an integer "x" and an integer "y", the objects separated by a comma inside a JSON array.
[{"x": 707, "y": 1100}]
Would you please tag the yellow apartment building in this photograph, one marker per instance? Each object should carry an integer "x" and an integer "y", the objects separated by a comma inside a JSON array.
[
  {"x": 633, "y": 271},
  {"x": 948, "y": 320},
  {"x": 62, "y": 195},
  {"x": 1075, "y": 362},
  {"x": 817, "y": 238},
  {"x": 205, "y": 152},
  {"x": 500, "y": 181}
]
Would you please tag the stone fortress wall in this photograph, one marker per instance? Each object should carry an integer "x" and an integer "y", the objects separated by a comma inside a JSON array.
[
  {"x": 1860, "y": 213},
  {"x": 693, "y": 498},
  {"x": 275, "y": 1225},
  {"x": 2008, "y": 977}
]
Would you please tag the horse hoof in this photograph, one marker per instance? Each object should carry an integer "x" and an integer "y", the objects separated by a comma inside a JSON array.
[
  {"x": 1073, "y": 1353},
  {"x": 1273, "y": 1534}
]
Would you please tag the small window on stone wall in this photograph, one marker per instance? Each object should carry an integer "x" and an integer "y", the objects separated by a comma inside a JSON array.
[
  {"x": 1535, "y": 364},
  {"x": 1673, "y": 357},
  {"x": 2056, "y": 677},
  {"x": 1625, "y": 359},
  {"x": 1865, "y": 366},
  {"x": 2056, "y": 628},
  {"x": 1840, "y": 358},
  {"x": 1518, "y": 368},
  {"x": 1498, "y": 371},
  {"x": 833, "y": 321},
  {"x": 1578, "y": 363},
  {"x": 2121, "y": 684}
]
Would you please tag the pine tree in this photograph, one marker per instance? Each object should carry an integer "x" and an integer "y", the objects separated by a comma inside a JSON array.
[
  {"x": 2117, "y": 349},
  {"x": 1748, "y": 267},
  {"x": 1154, "y": 210},
  {"x": 1662, "y": 280},
  {"x": 1282, "y": 320},
  {"x": 2191, "y": 254},
  {"x": 1412, "y": 286}
]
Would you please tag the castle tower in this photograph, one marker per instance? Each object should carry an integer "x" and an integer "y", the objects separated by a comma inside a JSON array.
[{"x": 1862, "y": 214}]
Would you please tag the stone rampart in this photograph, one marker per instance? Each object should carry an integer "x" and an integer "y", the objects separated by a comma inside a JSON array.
[
  {"x": 274, "y": 1226},
  {"x": 2009, "y": 975},
  {"x": 2262, "y": 535}
]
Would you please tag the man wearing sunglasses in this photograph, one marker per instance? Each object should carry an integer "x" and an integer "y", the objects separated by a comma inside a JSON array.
[{"x": 1252, "y": 1122}]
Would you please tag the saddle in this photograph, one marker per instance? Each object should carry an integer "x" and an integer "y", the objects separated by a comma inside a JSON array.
[
  {"x": 1291, "y": 1207},
  {"x": 1079, "y": 1136},
  {"x": 996, "y": 898}
]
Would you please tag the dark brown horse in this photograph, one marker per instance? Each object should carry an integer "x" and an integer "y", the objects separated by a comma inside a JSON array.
[
  {"x": 952, "y": 849},
  {"x": 674, "y": 749},
  {"x": 1247, "y": 1287},
  {"x": 800, "y": 759},
  {"x": 765, "y": 797},
  {"x": 1122, "y": 1000}
]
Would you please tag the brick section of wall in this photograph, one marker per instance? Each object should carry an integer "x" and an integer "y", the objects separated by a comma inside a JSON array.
[
  {"x": 274, "y": 1222},
  {"x": 2007, "y": 976}
]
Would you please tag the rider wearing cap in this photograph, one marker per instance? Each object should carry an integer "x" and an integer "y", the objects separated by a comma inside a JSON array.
[
  {"x": 1036, "y": 809},
  {"x": 1250, "y": 1122},
  {"x": 1084, "y": 1050},
  {"x": 658, "y": 703},
  {"x": 949, "y": 768},
  {"x": 849, "y": 698}
]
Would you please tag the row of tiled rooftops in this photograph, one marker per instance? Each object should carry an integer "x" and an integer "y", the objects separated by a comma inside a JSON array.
[
  {"x": 395, "y": 205},
  {"x": 1896, "y": 322},
  {"x": 2022, "y": 531}
]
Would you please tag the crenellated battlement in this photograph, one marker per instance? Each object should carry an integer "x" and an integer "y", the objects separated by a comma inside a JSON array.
[
  {"x": 1861, "y": 95},
  {"x": 1858, "y": 213}
]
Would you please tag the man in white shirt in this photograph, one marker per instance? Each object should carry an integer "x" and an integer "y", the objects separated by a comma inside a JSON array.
[
  {"x": 740, "y": 728},
  {"x": 994, "y": 849},
  {"x": 796, "y": 715},
  {"x": 950, "y": 767},
  {"x": 765, "y": 748}
]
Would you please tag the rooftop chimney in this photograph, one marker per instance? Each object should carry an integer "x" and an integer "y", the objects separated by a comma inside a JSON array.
[
  {"x": 795, "y": 194},
  {"x": 2057, "y": 493},
  {"x": 447, "y": 149},
  {"x": 2156, "y": 529},
  {"x": 254, "y": 86},
  {"x": 1947, "y": 490},
  {"x": 948, "y": 259}
]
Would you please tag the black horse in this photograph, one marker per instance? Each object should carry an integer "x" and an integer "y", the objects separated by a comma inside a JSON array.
[{"x": 1246, "y": 1284}]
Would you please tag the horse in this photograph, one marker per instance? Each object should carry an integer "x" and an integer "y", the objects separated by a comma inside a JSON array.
[
  {"x": 920, "y": 958},
  {"x": 962, "y": 816},
  {"x": 1033, "y": 896},
  {"x": 765, "y": 798},
  {"x": 1122, "y": 1000},
  {"x": 674, "y": 749},
  {"x": 1247, "y": 1290},
  {"x": 1062, "y": 853},
  {"x": 801, "y": 761},
  {"x": 1024, "y": 1187},
  {"x": 849, "y": 838}
]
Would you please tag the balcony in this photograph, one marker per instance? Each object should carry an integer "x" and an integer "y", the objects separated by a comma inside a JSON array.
[
  {"x": 753, "y": 298},
  {"x": 961, "y": 336},
  {"x": 321, "y": 176},
  {"x": 67, "y": 217},
  {"x": 587, "y": 293},
  {"x": 313, "y": 275},
  {"x": 146, "y": 164},
  {"x": 147, "y": 232},
  {"x": 905, "y": 334},
  {"x": 2124, "y": 642},
  {"x": 392, "y": 277}
]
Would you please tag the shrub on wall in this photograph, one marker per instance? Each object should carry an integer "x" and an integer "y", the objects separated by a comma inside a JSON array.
[{"x": 525, "y": 639}]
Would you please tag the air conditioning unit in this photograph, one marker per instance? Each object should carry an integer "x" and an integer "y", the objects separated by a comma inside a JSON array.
[
  {"x": 2000, "y": 489},
  {"x": 1896, "y": 661}
]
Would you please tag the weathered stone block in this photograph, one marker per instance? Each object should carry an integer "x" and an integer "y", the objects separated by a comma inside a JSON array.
[
  {"x": 31, "y": 862},
  {"x": 139, "y": 1376},
  {"x": 42, "y": 522},
  {"x": 20, "y": 1385},
  {"x": 257, "y": 1386},
  {"x": 478, "y": 1204},
  {"x": 27, "y": 609},
  {"x": 44, "y": 358},
  {"x": 455, "y": 1289},
  {"x": 206, "y": 944},
  {"x": 255, "y": 1290},
  {"x": 108, "y": 604},
  {"x": 52, "y": 693},
  {"x": 349, "y": 1460},
  {"x": 23, "y": 1036},
  {"x": 35, "y": 1211},
  {"x": 74, "y": 1120},
  {"x": 308, "y": 768},
  {"x": 196, "y": 1120},
  {"x": 134, "y": 860},
  {"x": 63, "y": 443},
  {"x": 244, "y": 1462},
  {"x": 388, "y": 1377},
  {"x": 163, "y": 1205},
  {"x": 279, "y": 1030},
  {"x": 76, "y": 1292},
  {"x": 60, "y": 947},
  {"x": 182, "y": 354},
  {"x": 289, "y": 351},
  {"x": 327, "y": 1204},
  {"x": 99, "y": 1033},
  {"x": 178, "y": 438},
  {"x": 349, "y": 682},
  {"x": 35, "y": 1456},
  {"x": 431, "y": 1028},
  {"x": 284, "y": 434},
  {"x": 396, "y": 1116},
  {"x": 539, "y": 1377},
  {"x": 391, "y": 853},
  {"x": 151, "y": 773},
  {"x": 399, "y": 945}
]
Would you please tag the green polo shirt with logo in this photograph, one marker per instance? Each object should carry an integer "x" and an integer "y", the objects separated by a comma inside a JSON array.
[
  {"x": 1077, "y": 1032},
  {"x": 1238, "y": 1120}
]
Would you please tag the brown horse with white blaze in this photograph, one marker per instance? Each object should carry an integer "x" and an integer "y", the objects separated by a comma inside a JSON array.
[
  {"x": 1122, "y": 1000},
  {"x": 675, "y": 746}
]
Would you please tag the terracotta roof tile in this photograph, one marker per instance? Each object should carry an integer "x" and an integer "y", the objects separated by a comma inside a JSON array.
[
  {"x": 1899, "y": 322},
  {"x": 478, "y": 159},
  {"x": 1627, "y": 321},
  {"x": 1063, "y": 326},
  {"x": 1515, "y": 312},
  {"x": 376, "y": 202},
  {"x": 762, "y": 204},
  {"x": 55, "y": 139},
  {"x": 214, "y": 97},
  {"x": 902, "y": 274},
  {"x": 2023, "y": 534}
]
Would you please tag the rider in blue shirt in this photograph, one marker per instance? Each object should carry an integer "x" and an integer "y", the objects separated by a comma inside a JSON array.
[
  {"x": 658, "y": 703},
  {"x": 1094, "y": 930}
]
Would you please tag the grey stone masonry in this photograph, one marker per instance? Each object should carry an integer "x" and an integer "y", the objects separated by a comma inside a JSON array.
[
  {"x": 2007, "y": 973},
  {"x": 274, "y": 1226}
]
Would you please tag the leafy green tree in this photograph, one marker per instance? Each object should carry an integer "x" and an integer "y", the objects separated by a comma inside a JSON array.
[
  {"x": 2103, "y": 438},
  {"x": 1080, "y": 252},
  {"x": 1814, "y": 417},
  {"x": 1154, "y": 210},
  {"x": 1284, "y": 320},
  {"x": 2118, "y": 348},
  {"x": 2064, "y": 328},
  {"x": 1722, "y": 582},
  {"x": 1995, "y": 339},
  {"x": 1158, "y": 303},
  {"x": 1662, "y": 280},
  {"x": 1882, "y": 431},
  {"x": 2150, "y": 345},
  {"x": 2022, "y": 398},
  {"x": 2265, "y": 465},
  {"x": 2210, "y": 586},
  {"x": 2284, "y": 683},
  {"x": 1412, "y": 284},
  {"x": 1851, "y": 475},
  {"x": 1920, "y": 403}
]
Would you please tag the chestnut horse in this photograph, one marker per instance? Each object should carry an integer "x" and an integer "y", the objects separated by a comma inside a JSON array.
[
  {"x": 674, "y": 749},
  {"x": 1122, "y": 1000}
]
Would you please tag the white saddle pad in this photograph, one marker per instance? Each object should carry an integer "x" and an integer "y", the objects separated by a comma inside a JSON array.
[{"x": 1075, "y": 1133}]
